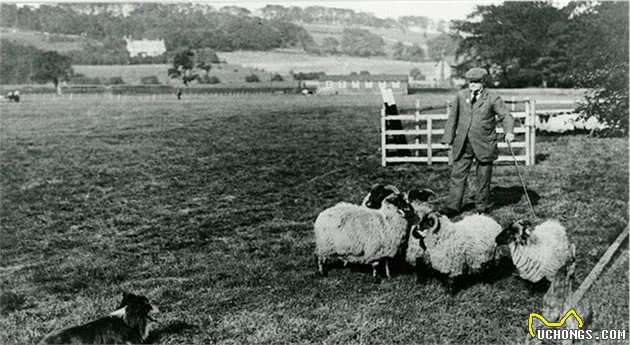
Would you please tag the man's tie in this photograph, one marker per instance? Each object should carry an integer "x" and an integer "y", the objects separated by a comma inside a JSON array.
[{"x": 474, "y": 97}]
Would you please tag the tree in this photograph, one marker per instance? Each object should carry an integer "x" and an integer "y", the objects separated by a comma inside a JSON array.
[
  {"x": 442, "y": 45},
  {"x": 330, "y": 45},
  {"x": 599, "y": 60},
  {"x": 183, "y": 64},
  {"x": 359, "y": 42},
  {"x": 513, "y": 36},
  {"x": 51, "y": 66}
]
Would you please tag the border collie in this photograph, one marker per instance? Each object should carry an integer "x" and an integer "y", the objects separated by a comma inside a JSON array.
[{"x": 127, "y": 325}]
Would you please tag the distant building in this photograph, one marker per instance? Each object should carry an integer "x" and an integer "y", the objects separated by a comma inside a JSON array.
[
  {"x": 436, "y": 75},
  {"x": 361, "y": 83},
  {"x": 145, "y": 47}
]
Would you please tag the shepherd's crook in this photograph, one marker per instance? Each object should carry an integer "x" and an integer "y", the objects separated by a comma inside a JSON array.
[{"x": 522, "y": 181}]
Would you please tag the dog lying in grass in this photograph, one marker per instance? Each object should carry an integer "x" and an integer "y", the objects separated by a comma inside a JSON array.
[{"x": 126, "y": 325}]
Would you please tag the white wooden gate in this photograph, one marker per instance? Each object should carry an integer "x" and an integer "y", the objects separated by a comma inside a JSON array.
[{"x": 423, "y": 132}]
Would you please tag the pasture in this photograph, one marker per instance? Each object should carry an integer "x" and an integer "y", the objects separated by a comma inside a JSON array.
[
  {"x": 206, "y": 207},
  {"x": 132, "y": 74}
]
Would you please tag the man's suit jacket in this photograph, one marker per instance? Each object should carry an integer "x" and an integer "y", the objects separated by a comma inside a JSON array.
[{"x": 477, "y": 122}]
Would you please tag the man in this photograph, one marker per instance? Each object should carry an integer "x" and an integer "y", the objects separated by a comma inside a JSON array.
[{"x": 470, "y": 132}]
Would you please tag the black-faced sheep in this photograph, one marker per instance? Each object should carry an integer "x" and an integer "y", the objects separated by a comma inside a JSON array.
[
  {"x": 457, "y": 249},
  {"x": 357, "y": 234},
  {"x": 538, "y": 252},
  {"x": 377, "y": 193}
]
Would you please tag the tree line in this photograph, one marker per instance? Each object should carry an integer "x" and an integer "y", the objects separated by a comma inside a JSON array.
[
  {"x": 583, "y": 44},
  {"x": 179, "y": 25}
]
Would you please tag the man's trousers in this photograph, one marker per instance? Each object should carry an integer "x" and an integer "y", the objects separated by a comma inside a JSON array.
[{"x": 459, "y": 176}]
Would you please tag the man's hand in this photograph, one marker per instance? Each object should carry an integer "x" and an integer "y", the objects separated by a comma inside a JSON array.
[{"x": 509, "y": 137}]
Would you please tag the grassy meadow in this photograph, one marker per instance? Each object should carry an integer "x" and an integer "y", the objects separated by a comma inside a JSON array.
[{"x": 206, "y": 206}]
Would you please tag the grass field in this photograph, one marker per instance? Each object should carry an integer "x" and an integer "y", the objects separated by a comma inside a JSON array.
[
  {"x": 132, "y": 74},
  {"x": 206, "y": 206},
  {"x": 282, "y": 62}
]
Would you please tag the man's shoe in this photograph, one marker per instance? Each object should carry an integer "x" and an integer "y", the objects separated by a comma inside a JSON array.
[{"x": 449, "y": 212}]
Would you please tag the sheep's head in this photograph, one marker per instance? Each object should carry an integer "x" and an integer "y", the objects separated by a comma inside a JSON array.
[
  {"x": 377, "y": 194},
  {"x": 429, "y": 225},
  {"x": 398, "y": 200},
  {"x": 419, "y": 200},
  {"x": 517, "y": 232}
]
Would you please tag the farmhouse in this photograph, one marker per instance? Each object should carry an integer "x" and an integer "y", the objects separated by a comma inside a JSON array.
[
  {"x": 362, "y": 83},
  {"x": 145, "y": 47}
]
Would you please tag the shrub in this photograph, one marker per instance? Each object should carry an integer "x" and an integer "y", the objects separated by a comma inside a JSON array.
[
  {"x": 252, "y": 78},
  {"x": 80, "y": 79},
  {"x": 277, "y": 77},
  {"x": 115, "y": 81},
  {"x": 150, "y": 80},
  {"x": 209, "y": 80}
]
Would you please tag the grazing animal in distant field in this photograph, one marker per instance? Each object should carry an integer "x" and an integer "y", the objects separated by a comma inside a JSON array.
[
  {"x": 357, "y": 234},
  {"x": 537, "y": 252},
  {"x": 127, "y": 325}
]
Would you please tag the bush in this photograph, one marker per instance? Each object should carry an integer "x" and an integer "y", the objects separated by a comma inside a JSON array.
[
  {"x": 115, "y": 81},
  {"x": 209, "y": 80},
  {"x": 252, "y": 78},
  {"x": 308, "y": 75},
  {"x": 150, "y": 80},
  {"x": 277, "y": 77},
  {"x": 80, "y": 79}
]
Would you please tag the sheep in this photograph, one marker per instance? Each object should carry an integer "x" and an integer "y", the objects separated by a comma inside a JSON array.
[
  {"x": 457, "y": 249},
  {"x": 358, "y": 234},
  {"x": 421, "y": 206},
  {"x": 377, "y": 193},
  {"x": 539, "y": 252}
]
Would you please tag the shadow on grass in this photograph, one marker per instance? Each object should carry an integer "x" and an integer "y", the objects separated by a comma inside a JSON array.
[
  {"x": 505, "y": 196},
  {"x": 174, "y": 327}
]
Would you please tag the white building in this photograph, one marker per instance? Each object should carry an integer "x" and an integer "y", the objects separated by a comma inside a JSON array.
[{"x": 145, "y": 47}]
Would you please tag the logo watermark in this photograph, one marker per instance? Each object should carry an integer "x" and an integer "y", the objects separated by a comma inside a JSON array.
[{"x": 554, "y": 332}]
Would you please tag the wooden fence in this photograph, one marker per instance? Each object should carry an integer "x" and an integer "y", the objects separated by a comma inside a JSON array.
[{"x": 423, "y": 132}]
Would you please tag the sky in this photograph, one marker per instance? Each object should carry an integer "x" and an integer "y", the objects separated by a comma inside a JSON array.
[{"x": 435, "y": 9}]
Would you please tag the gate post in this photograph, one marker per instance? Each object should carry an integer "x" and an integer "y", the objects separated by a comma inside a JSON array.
[{"x": 532, "y": 129}]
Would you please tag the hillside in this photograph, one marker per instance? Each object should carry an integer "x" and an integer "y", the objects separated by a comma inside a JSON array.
[
  {"x": 285, "y": 61},
  {"x": 44, "y": 41},
  {"x": 390, "y": 35}
]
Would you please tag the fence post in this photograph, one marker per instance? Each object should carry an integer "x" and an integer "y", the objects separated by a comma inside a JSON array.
[
  {"x": 532, "y": 128},
  {"x": 450, "y": 150},
  {"x": 383, "y": 153},
  {"x": 513, "y": 104},
  {"x": 429, "y": 139},
  {"x": 417, "y": 121},
  {"x": 526, "y": 125}
]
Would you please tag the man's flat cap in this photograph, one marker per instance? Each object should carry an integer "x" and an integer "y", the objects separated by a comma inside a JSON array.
[{"x": 476, "y": 74}]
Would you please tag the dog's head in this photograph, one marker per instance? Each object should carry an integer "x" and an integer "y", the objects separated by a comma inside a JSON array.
[
  {"x": 137, "y": 305},
  {"x": 136, "y": 311}
]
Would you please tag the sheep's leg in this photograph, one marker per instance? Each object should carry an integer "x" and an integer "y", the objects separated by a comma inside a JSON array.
[
  {"x": 451, "y": 286},
  {"x": 374, "y": 266},
  {"x": 321, "y": 265},
  {"x": 422, "y": 272},
  {"x": 387, "y": 268}
]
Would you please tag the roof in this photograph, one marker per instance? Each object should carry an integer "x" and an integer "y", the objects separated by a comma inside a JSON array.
[{"x": 361, "y": 77}]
